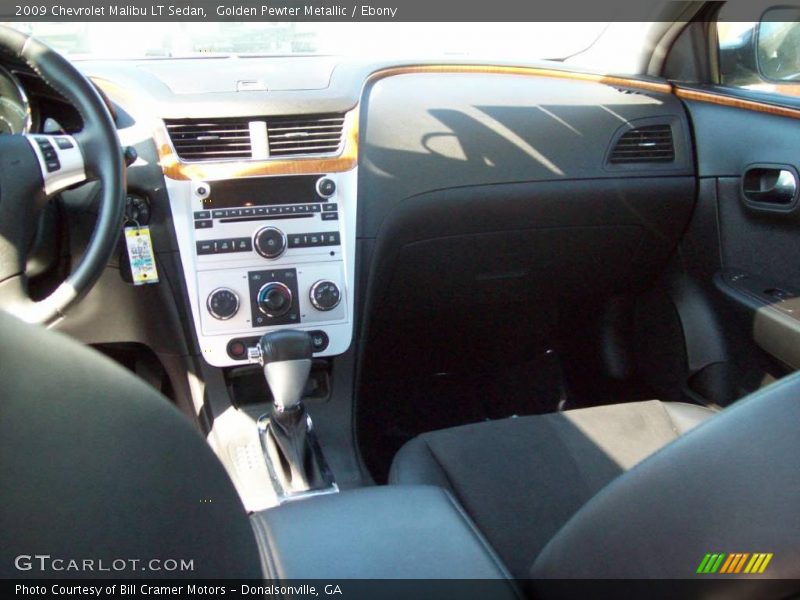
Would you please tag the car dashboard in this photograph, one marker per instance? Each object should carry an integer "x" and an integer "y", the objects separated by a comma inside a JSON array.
[{"x": 274, "y": 167}]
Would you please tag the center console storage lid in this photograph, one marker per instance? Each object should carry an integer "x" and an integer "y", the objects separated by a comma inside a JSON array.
[{"x": 391, "y": 532}]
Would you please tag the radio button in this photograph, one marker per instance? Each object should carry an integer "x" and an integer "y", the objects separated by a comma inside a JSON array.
[
  {"x": 269, "y": 242},
  {"x": 202, "y": 214},
  {"x": 314, "y": 208},
  {"x": 297, "y": 241},
  {"x": 248, "y": 212},
  {"x": 326, "y": 187},
  {"x": 204, "y": 224},
  {"x": 205, "y": 247},
  {"x": 261, "y": 211},
  {"x": 330, "y": 216},
  {"x": 224, "y": 246},
  {"x": 218, "y": 214},
  {"x": 242, "y": 245},
  {"x": 330, "y": 207}
]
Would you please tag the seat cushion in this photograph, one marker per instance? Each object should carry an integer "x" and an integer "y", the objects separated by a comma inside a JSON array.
[{"x": 521, "y": 479}]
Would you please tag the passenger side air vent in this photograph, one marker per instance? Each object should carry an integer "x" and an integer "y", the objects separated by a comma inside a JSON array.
[
  {"x": 650, "y": 143},
  {"x": 207, "y": 139},
  {"x": 247, "y": 137},
  {"x": 314, "y": 134}
]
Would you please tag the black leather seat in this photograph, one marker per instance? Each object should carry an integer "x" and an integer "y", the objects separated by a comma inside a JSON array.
[{"x": 623, "y": 491}]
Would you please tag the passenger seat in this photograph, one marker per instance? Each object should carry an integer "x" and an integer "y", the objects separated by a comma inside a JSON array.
[{"x": 521, "y": 479}]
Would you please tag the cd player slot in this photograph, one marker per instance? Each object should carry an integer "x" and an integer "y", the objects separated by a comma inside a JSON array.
[{"x": 263, "y": 218}]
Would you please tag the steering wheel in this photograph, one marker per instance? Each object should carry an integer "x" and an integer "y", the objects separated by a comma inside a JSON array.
[{"x": 35, "y": 167}]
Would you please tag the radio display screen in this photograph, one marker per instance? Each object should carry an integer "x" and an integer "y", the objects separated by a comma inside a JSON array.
[{"x": 262, "y": 191}]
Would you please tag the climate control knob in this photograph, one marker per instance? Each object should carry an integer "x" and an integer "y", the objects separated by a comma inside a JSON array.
[
  {"x": 325, "y": 295},
  {"x": 274, "y": 299},
  {"x": 269, "y": 242},
  {"x": 222, "y": 303}
]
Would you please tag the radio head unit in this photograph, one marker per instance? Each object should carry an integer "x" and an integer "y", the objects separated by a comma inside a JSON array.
[{"x": 267, "y": 191}]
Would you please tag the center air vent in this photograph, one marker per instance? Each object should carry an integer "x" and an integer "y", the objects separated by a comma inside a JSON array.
[
  {"x": 650, "y": 143},
  {"x": 207, "y": 139},
  {"x": 319, "y": 134},
  {"x": 238, "y": 138}
]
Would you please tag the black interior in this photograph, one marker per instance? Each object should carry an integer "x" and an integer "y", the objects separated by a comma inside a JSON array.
[{"x": 512, "y": 259}]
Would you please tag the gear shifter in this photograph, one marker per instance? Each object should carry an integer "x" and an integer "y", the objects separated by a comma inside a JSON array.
[{"x": 294, "y": 459}]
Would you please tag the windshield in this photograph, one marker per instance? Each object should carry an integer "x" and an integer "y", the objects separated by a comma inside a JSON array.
[{"x": 497, "y": 41}]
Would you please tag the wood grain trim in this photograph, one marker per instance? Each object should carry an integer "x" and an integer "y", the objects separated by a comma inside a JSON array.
[
  {"x": 652, "y": 86},
  {"x": 174, "y": 168},
  {"x": 723, "y": 100}
]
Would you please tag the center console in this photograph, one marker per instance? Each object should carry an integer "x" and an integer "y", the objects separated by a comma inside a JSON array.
[
  {"x": 388, "y": 532},
  {"x": 264, "y": 253}
]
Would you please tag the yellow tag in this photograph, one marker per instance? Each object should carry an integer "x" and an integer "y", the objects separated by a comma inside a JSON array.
[{"x": 140, "y": 253}]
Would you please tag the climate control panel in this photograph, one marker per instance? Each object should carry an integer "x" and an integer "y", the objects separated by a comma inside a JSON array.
[{"x": 263, "y": 253}]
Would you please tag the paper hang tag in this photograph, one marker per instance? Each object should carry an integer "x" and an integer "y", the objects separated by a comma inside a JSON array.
[{"x": 141, "y": 256}]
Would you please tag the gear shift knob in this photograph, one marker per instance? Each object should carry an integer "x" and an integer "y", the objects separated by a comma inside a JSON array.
[{"x": 286, "y": 358}]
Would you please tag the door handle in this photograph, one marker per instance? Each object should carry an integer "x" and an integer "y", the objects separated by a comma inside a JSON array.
[{"x": 770, "y": 185}]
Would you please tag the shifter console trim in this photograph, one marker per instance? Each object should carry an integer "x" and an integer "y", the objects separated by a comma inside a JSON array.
[{"x": 283, "y": 495}]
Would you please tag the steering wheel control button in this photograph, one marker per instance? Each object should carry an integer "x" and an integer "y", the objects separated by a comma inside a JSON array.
[
  {"x": 325, "y": 295},
  {"x": 319, "y": 340},
  {"x": 222, "y": 304},
  {"x": 275, "y": 299},
  {"x": 64, "y": 143},
  {"x": 326, "y": 187},
  {"x": 129, "y": 154},
  {"x": 269, "y": 242},
  {"x": 49, "y": 154}
]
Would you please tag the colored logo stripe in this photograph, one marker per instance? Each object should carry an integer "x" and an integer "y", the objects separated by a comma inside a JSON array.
[
  {"x": 758, "y": 563},
  {"x": 734, "y": 563},
  {"x": 710, "y": 563}
]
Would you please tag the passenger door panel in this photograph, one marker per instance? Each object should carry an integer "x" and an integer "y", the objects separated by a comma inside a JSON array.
[{"x": 741, "y": 154}]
